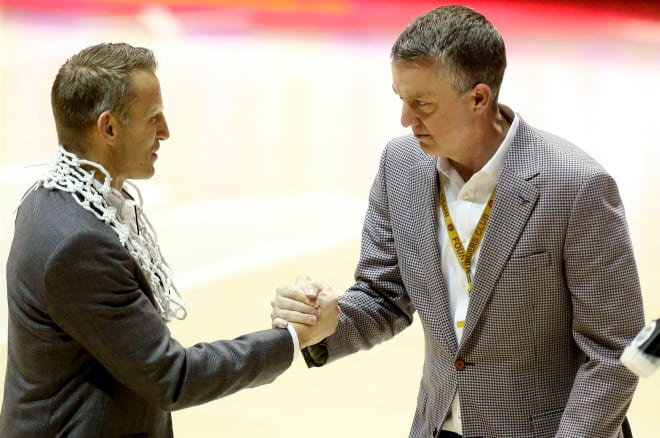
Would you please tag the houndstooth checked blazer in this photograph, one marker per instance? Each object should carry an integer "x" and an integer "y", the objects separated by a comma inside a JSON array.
[{"x": 556, "y": 296}]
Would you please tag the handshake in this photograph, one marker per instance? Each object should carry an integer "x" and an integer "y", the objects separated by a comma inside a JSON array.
[{"x": 310, "y": 307}]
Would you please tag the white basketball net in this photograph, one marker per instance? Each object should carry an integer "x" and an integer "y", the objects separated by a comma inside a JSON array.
[{"x": 137, "y": 236}]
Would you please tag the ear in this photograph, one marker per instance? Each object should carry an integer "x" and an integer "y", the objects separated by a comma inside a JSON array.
[
  {"x": 106, "y": 126},
  {"x": 481, "y": 96}
]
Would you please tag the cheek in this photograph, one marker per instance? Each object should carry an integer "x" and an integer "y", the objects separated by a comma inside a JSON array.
[
  {"x": 444, "y": 122},
  {"x": 436, "y": 125},
  {"x": 146, "y": 140}
]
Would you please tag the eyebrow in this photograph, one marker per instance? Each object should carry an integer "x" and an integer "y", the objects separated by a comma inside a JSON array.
[
  {"x": 155, "y": 110},
  {"x": 418, "y": 96}
]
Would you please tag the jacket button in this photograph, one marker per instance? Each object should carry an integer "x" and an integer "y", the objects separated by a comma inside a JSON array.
[{"x": 459, "y": 364}]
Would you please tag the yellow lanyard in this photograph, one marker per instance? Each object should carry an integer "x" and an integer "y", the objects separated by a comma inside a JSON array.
[{"x": 465, "y": 256}]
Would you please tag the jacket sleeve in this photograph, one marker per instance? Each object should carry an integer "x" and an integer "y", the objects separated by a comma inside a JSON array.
[
  {"x": 93, "y": 294},
  {"x": 377, "y": 306},
  {"x": 607, "y": 309}
]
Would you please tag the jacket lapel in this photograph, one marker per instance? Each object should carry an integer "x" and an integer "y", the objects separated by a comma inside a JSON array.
[
  {"x": 515, "y": 199},
  {"x": 423, "y": 200}
]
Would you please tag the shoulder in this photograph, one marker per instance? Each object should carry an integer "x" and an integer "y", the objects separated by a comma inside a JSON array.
[
  {"x": 57, "y": 212},
  {"x": 52, "y": 223},
  {"x": 406, "y": 147},
  {"x": 404, "y": 152},
  {"x": 549, "y": 153},
  {"x": 58, "y": 244}
]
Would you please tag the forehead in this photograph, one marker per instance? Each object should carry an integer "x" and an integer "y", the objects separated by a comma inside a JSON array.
[
  {"x": 145, "y": 91},
  {"x": 419, "y": 78}
]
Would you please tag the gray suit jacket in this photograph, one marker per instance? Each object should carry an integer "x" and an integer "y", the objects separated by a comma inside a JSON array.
[
  {"x": 555, "y": 299},
  {"x": 89, "y": 355}
]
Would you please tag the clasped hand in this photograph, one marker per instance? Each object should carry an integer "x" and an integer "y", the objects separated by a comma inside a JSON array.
[{"x": 310, "y": 307}]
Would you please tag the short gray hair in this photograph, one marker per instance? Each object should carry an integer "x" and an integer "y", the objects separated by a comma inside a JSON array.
[
  {"x": 95, "y": 80},
  {"x": 462, "y": 40}
]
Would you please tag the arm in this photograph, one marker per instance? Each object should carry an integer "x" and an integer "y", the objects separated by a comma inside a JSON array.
[
  {"x": 93, "y": 294},
  {"x": 377, "y": 306},
  {"x": 607, "y": 309}
]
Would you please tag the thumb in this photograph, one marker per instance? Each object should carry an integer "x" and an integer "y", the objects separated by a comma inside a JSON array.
[{"x": 304, "y": 282}]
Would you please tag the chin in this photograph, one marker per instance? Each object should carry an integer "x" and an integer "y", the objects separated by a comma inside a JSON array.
[
  {"x": 144, "y": 175},
  {"x": 428, "y": 150}
]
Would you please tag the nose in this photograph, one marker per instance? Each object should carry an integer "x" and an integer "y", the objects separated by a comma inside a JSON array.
[
  {"x": 408, "y": 116},
  {"x": 163, "y": 132}
]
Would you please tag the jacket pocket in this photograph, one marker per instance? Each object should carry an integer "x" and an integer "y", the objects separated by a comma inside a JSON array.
[{"x": 546, "y": 423}]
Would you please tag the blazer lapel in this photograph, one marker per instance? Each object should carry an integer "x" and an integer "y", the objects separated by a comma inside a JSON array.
[
  {"x": 423, "y": 201},
  {"x": 515, "y": 199}
]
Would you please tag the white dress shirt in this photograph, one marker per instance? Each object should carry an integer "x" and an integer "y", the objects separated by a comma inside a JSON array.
[{"x": 466, "y": 202}]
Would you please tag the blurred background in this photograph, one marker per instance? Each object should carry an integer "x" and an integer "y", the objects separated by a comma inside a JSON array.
[{"x": 278, "y": 112}]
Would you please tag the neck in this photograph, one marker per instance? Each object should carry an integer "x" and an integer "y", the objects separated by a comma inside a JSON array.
[
  {"x": 101, "y": 177},
  {"x": 98, "y": 154},
  {"x": 488, "y": 140}
]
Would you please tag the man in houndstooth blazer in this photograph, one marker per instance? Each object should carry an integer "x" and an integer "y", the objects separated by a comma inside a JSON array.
[{"x": 555, "y": 295}]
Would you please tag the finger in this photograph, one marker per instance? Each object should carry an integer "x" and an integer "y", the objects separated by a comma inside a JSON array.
[
  {"x": 326, "y": 294},
  {"x": 295, "y": 305},
  {"x": 292, "y": 316},
  {"x": 289, "y": 296},
  {"x": 304, "y": 282},
  {"x": 280, "y": 323},
  {"x": 321, "y": 287},
  {"x": 294, "y": 292}
]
